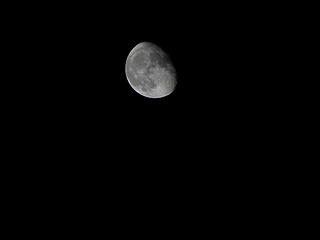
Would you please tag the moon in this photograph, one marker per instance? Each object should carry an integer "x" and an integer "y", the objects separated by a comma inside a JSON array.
[{"x": 161, "y": 83}]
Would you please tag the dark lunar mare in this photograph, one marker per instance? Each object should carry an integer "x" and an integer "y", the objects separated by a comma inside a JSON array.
[
  {"x": 139, "y": 61},
  {"x": 145, "y": 83},
  {"x": 155, "y": 58}
]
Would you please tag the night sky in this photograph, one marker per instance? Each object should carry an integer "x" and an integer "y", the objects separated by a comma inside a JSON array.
[{"x": 75, "y": 108}]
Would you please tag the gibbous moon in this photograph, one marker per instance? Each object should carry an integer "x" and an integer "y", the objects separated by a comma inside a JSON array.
[{"x": 153, "y": 75}]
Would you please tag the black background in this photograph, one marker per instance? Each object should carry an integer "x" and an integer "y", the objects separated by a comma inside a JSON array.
[
  {"x": 75, "y": 102},
  {"x": 75, "y": 84},
  {"x": 85, "y": 129}
]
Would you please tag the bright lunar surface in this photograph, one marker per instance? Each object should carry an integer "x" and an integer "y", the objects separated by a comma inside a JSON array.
[{"x": 150, "y": 71}]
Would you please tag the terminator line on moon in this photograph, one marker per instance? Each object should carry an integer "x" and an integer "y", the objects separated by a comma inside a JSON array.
[{"x": 152, "y": 80}]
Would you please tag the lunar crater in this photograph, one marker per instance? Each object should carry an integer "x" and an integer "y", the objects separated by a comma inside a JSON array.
[{"x": 151, "y": 79}]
